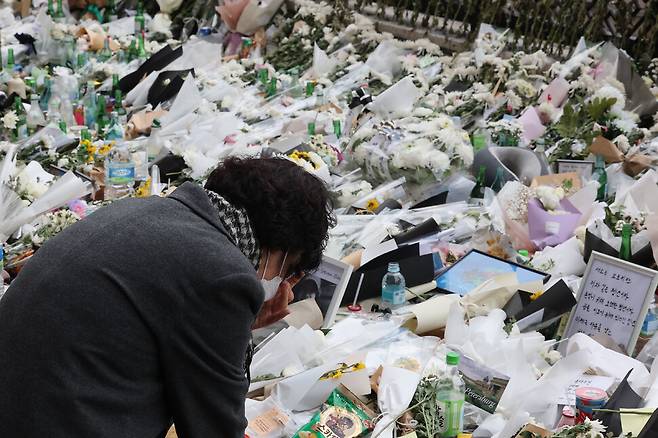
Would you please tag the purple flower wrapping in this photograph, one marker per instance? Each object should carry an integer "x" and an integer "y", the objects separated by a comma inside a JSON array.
[{"x": 549, "y": 229}]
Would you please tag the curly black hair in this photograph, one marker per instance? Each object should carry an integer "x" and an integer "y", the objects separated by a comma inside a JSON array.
[{"x": 289, "y": 208}]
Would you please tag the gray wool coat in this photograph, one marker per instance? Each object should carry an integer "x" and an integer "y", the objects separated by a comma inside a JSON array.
[{"x": 134, "y": 317}]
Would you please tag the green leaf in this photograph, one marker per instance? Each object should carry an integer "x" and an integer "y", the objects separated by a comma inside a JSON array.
[
  {"x": 598, "y": 107},
  {"x": 568, "y": 124}
]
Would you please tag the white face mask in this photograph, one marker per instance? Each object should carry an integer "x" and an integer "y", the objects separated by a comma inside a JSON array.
[{"x": 272, "y": 286}]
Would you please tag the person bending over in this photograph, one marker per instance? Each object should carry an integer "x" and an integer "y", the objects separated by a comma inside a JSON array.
[{"x": 140, "y": 315}]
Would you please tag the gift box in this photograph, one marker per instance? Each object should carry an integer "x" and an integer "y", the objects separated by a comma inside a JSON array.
[{"x": 551, "y": 228}]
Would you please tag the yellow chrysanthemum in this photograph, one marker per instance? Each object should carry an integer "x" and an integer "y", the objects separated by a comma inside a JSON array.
[
  {"x": 143, "y": 190},
  {"x": 372, "y": 205},
  {"x": 536, "y": 295},
  {"x": 105, "y": 150}
]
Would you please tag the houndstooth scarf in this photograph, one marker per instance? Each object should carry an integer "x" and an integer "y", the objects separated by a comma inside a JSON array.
[{"x": 237, "y": 224}]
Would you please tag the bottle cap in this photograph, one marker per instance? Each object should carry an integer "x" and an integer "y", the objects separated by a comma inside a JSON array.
[
  {"x": 155, "y": 124},
  {"x": 524, "y": 252},
  {"x": 568, "y": 411},
  {"x": 393, "y": 267},
  {"x": 452, "y": 358}
]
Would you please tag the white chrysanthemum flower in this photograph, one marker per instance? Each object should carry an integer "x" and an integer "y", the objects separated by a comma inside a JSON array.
[
  {"x": 10, "y": 119},
  {"x": 577, "y": 147},
  {"x": 625, "y": 124},
  {"x": 438, "y": 161},
  {"x": 465, "y": 152},
  {"x": 621, "y": 141},
  {"x": 607, "y": 92},
  {"x": 597, "y": 429},
  {"x": 513, "y": 99},
  {"x": 549, "y": 111},
  {"x": 522, "y": 87}
]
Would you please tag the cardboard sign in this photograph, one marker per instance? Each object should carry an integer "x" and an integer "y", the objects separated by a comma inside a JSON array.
[
  {"x": 613, "y": 300},
  {"x": 569, "y": 181},
  {"x": 484, "y": 386}
]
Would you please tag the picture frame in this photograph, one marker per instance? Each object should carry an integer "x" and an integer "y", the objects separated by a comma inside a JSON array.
[
  {"x": 327, "y": 286},
  {"x": 596, "y": 260},
  {"x": 503, "y": 266},
  {"x": 583, "y": 168}
]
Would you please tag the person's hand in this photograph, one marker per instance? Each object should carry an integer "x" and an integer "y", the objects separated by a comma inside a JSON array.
[{"x": 277, "y": 308}]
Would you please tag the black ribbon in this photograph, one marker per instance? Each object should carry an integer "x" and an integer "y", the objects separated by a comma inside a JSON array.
[{"x": 360, "y": 97}]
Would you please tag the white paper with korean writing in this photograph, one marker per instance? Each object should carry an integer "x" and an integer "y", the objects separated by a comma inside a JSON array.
[
  {"x": 585, "y": 381},
  {"x": 613, "y": 300}
]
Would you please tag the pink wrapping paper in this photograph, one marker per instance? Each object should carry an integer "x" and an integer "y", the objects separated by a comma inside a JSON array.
[
  {"x": 517, "y": 233},
  {"x": 230, "y": 12},
  {"x": 547, "y": 229},
  {"x": 556, "y": 92},
  {"x": 531, "y": 123}
]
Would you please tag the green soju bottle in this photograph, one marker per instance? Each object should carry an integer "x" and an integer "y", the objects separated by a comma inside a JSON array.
[{"x": 625, "y": 248}]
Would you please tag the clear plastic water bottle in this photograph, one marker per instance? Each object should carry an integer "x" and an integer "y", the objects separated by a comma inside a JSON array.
[
  {"x": 393, "y": 287},
  {"x": 119, "y": 173},
  {"x": 155, "y": 143},
  {"x": 35, "y": 117},
  {"x": 450, "y": 399}
]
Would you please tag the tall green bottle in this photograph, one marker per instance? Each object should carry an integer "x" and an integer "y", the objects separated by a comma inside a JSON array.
[
  {"x": 20, "y": 132},
  {"x": 499, "y": 180},
  {"x": 625, "y": 248},
  {"x": 10, "y": 60},
  {"x": 141, "y": 49},
  {"x": 59, "y": 15}
]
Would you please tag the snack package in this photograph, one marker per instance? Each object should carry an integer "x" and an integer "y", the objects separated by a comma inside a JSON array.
[{"x": 341, "y": 416}]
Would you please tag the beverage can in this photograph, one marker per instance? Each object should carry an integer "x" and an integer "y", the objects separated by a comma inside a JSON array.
[{"x": 588, "y": 399}]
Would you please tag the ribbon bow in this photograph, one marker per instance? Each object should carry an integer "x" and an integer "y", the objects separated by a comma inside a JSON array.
[
  {"x": 633, "y": 164},
  {"x": 360, "y": 97}
]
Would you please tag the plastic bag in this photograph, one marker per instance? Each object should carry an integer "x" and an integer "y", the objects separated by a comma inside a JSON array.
[
  {"x": 385, "y": 62},
  {"x": 341, "y": 415},
  {"x": 266, "y": 419}
]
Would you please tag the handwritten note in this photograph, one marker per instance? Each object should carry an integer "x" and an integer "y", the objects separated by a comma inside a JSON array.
[
  {"x": 612, "y": 300},
  {"x": 585, "y": 381}
]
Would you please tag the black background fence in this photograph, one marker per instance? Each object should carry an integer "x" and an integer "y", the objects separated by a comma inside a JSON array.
[{"x": 551, "y": 25}]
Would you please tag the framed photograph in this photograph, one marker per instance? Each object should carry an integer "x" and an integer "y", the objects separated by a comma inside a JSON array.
[
  {"x": 583, "y": 168},
  {"x": 327, "y": 286},
  {"x": 476, "y": 267},
  {"x": 613, "y": 300}
]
